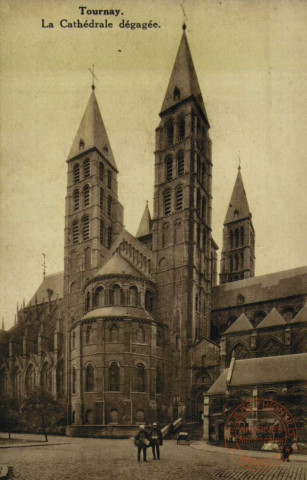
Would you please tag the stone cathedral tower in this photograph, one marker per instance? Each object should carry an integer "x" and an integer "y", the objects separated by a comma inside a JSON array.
[
  {"x": 181, "y": 224},
  {"x": 238, "y": 254}
]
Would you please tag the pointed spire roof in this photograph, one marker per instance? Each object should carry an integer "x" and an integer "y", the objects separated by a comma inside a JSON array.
[
  {"x": 238, "y": 206},
  {"x": 92, "y": 132},
  {"x": 184, "y": 78},
  {"x": 273, "y": 319},
  {"x": 241, "y": 324},
  {"x": 145, "y": 223}
]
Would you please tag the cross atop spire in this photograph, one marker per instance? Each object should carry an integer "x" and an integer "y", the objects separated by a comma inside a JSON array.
[{"x": 92, "y": 70}]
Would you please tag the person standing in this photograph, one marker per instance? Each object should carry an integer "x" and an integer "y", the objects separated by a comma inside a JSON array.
[
  {"x": 142, "y": 442},
  {"x": 156, "y": 441}
]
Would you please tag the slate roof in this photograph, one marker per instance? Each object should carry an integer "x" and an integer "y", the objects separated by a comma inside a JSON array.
[
  {"x": 262, "y": 288},
  {"x": 184, "y": 78},
  {"x": 273, "y": 319},
  {"x": 145, "y": 223},
  {"x": 117, "y": 265},
  {"x": 238, "y": 202},
  {"x": 119, "y": 312},
  {"x": 54, "y": 284},
  {"x": 265, "y": 370},
  {"x": 301, "y": 316},
  {"x": 93, "y": 133},
  {"x": 241, "y": 324}
]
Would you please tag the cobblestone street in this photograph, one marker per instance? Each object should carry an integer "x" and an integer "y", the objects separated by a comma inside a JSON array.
[{"x": 83, "y": 459}]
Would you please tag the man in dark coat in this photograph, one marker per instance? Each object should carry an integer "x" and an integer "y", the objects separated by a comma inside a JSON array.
[
  {"x": 142, "y": 442},
  {"x": 156, "y": 440}
]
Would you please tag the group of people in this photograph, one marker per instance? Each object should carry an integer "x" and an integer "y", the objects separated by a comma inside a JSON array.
[{"x": 145, "y": 439}]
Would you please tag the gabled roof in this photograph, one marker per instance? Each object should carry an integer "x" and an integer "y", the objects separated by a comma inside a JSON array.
[
  {"x": 145, "y": 224},
  {"x": 273, "y": 319},
  {"x": 301, "y": 317},
  {"x": 52, "y": 285},
  {"x": 184, "y": 78},
  {"x": 238, "y": 207},
  {"x": 117, "y": 265},
  {"x": 92, "y": 132},
  {"x": 241, "y": 324}
]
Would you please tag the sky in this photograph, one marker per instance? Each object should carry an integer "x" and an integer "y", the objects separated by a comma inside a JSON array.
[{"x": 251, "y": 62}]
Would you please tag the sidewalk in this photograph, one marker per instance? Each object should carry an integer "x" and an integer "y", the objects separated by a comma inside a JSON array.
[
  {"x": 199, "y": 445},
  {"x": 19, "y": 440}
]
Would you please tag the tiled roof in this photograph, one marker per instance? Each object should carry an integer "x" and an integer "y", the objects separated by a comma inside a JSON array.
[
  {"x": 51, "y": 285},
  {"x": 301, "y": 317},
  {"x": 119, "y": 312},
  {"x": 273, "y": 319},
  {"x": 262, "y": 288},
  {"x": 219, "y": 387},
  {"x": 241, "y": 324}
]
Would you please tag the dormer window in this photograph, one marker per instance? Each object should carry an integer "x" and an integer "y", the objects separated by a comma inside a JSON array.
[
  {"x": 176, "y": 94},
  {"x": 106, "y": 149},
  {"x": 81, "y": 144},
  {"x": 236, "y": 213}
]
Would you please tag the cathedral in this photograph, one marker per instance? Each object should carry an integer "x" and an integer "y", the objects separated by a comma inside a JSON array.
[{"x": 137, "y": 329}]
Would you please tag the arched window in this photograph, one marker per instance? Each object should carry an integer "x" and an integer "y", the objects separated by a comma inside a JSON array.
[
  {"x": 231, "y": 238},
  {"x": 148, "y": 301},
  {"x": 87, "y": 302},
  {"x": 86, "y": 195},
  {"x": 198, "y": 168},
  {"x": 231, "y": 263},
  {"x": 101, "y": 231},
  {"x": 114, "y": 377},
  {"x": 46, "y": 378},
  {"x": 75, "y": 232},
  {"x": 30, "y": 378},
  {"x": 88, "y": 334},
  {"x": 258, "y": 317},
  {"x": 101, "y": 200},
  {"x": 133, "y": 297},
  {"x": 109, "y": 237},
  {"x": 114, "y": 334},
  {"x": 16, "y": 384},
  {"x": 140, "y": 335},
  {"x": 165, "y": 234},
  {"x": 101, "y": 171},
  {"x": 169, "y": 168},
  {"x": 87, "y": 258},
  {"x": 76, "y": 173},
  {"x": 180, "y": 164},
  {"x": 109, "y": 205},
  {"x": 242, "y": 235},
  {"x": 159, "y": 338},
  {"x": 73, "y": 417},
  {"x": 116, "y": 296},
  {"x": 89, "y": 378},
  {"x": 87, "y": 168},
  {"x": 288, "y": 314},
  {"x": 59, "y": 380},
  {"x": 114, "y": 416},
  {"x": 167, "y": 202},
  {"x": 139, "y": 417},
  {"x": 237, "y": 237},
  {"x": 204, "y": 208},
  {"x": 81, "y": 144},
  {"x": 203, "y": 175},
  {"x": 73, "y": 339},
  {"x": 76, "y": 199},
  {"x": 177, "y": 231},
  {"x": 181, "y": 128},
  {"x": 99, "y": 297},
  {"x": 176, "y": 94},
  {"x": 198, "y": 202},
  {"x": 236, "y": 261},
  {"x": 86, "y": 228},
  {"x": 109, "y": 179},
  {"x": 170, "y": 132},
  {"x": 179, "y": 198},
  {"x": 158, "y": 380},
  {"x": 140, "y": 378},
  {"x": 74, "y": 375}
]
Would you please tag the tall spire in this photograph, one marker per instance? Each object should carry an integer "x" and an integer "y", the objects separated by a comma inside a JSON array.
[
  {"x": 238, "y": 207},
  {"x": 92, "y": 133},
  {"x": 145, "y": 223},
  {"x": 183, "y": 82}
]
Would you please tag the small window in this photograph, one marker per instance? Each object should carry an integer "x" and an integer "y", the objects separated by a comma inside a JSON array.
[
  {"x": 242, "y": 235},
  {"x": 236, "y": 213},
  {"x": 198, "y": 200},
  {"x": 180, "y": 164},
  {"x": 140, "y": 335},
  {"x": 109, "y": 179},
  {"x": 181, "y": 129},
  {"x": 86, "y": 195},
  {"x": 169, "y": 169},
  {"x": 231, "y": 263},
  {"x": 76, "y": 173},
  {"x": 87, "y": 302},
  {"x": 116, "y": 295},
  {"x": 99, "y": 297},
  {"x": 101, "y": 171},
  {"x": 133, "y": 297},
  {"x": 89, "y": 378},
  {"x": 236, "y": 261},
  {"x": 140, "y": 378},
  {"x": 86, "y": 228},
  {"x": 176, "y": 94},
  {"x": 88, "y": 335},
  {"x": 114, "y": 377},
  {"x": 101, "y": 199},
  {"x": 87, "y": 168},
  {"x": 179, "y": 198},
  {"x": 81, "y": 144},
  {"x": 237, "y": 237},
  {"x": 73, "y": 387},
  {"x": 87, "y": 258},
  {"x": 204, "y": 206},
  {"x": 109, "y": 205},
  {"x": 109, "y": 237},
  {"x": 231, "y": 239},
  {"x": 148, "y": 301},
  {"x": 101, "y": 231},
  {"x": 76, "y": 199},
  {"x": 114, "y": 334},
  {"x": 167, "y": 202},
  {"x": 106, "y": 148},
  {"x": 170, "y": 132},
  {"x": 75, "y": 232}
]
